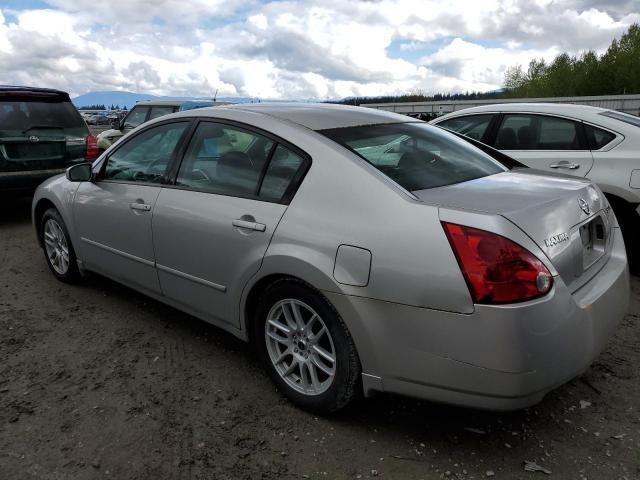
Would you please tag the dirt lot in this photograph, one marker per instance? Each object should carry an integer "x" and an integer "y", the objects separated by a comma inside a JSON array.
[{"x": 97, "y": 381}]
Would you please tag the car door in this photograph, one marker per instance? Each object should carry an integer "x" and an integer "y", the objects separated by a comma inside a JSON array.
[
  {"x": 212, "y": 228},
  {"x": 545, "y": 142},
  {"x": 113, "y": 213}
]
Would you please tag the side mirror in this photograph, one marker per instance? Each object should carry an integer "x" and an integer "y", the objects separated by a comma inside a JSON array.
[
  {"x": 80, "y": 173},
  {"x": 115, "y": 124}
]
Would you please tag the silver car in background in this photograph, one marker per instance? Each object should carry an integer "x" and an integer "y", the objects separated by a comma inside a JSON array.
[
  {"x": 597, "y": 143},
  {"x": 358, "y": 250}
]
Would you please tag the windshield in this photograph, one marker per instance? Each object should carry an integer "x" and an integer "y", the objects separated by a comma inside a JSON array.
[
  {"x": 26, "y": 114},
  {"x": 415, "y": 155}
]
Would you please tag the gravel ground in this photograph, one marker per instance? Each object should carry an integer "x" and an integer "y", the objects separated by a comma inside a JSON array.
[{"x": 98, "y": 381}]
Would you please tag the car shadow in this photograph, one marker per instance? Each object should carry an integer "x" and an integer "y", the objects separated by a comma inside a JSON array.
[{"x": 432, "y": 423}]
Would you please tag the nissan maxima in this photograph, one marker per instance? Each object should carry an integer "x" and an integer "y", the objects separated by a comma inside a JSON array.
[{"x": 357, "y": 250}]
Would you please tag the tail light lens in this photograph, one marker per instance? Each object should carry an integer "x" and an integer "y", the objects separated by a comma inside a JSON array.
[
  {"x": 496, "y": 269},
  {"x": 91, "y": 144}
]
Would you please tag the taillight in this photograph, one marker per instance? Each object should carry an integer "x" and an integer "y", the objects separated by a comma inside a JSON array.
[
  {"x": 496, "y": 269},
  {"x": 91, "y": 151}
]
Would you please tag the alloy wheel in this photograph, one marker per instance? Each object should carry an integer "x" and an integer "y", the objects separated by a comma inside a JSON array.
[
  {"x": 300, "y": 347},
  {"x": 55, "y": 243}
]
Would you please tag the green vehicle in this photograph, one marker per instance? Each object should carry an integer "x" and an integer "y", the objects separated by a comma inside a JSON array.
[
  {"x": 41, "y": 135},
  {"x": 143, "y": 112}
]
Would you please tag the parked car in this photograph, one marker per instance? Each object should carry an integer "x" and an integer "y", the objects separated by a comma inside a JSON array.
[
  {"x": 143, "y": 112},
  {"x": 601, "y": 144},
  {"x": 358, "y": 250},
  {"x": 101, "y": 118},
  {"x": 41, "y": 134}
]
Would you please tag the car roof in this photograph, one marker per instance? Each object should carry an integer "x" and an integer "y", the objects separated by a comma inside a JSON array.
[
  {"x": 565, "y": 108},
  {"x": 25, "y": 89},
  {"x": 318, "y": 116},
  {"x": 176, "y": 103}
]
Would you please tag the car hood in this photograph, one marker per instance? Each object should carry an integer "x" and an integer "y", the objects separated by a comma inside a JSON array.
[
  {"x": 550, "y": 209},
  {"x": 109, "y": 133}
]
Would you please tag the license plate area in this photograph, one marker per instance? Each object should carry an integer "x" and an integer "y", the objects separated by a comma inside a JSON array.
[
  {"x": 34, "y": 151},
  {"x": 593, "y": 236}
]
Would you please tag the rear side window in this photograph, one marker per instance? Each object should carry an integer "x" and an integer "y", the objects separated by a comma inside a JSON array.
[
  {"x": 136, "y": 117},
  {"x": 25, "y": 114},
  {"x": 160, "y": 111},
  {"x": 623, "y": 117},
  {"x": 474, "y": 126},
  {"x": 415, "y": 155},
  {"x": 224, "y": 159},
  {"x": 596, "y": 137},
  {"x": 281, "y": 172},
  {"x": 538, "y": 132}
]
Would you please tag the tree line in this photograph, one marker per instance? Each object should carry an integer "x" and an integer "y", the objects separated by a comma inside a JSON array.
[
  {"x": 101, "y": 106},
  {"x": 615, "y": 72}
]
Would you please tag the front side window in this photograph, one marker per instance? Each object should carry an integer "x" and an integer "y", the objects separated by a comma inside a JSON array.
[
  {"x": 136, "y": 117},
  {"x": 416, "y": 156},
  {"x": 145, "y": 157},
  {"x": 537, "y": 132},
  {"x": 224, "y": 159},
  {"x": 473, "y": 126}
]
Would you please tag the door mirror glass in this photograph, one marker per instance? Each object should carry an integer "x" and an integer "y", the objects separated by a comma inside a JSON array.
[
  {"x": 115, "y": 124},
  {"x": 80, "y": 173}
]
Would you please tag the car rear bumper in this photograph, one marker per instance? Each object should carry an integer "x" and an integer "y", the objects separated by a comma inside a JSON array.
[
  {"x": 26, "y": 181},
  {"x": 498, "y": 357}
]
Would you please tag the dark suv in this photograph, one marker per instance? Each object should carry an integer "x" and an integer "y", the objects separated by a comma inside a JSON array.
[{"x": 41, "y": 134}]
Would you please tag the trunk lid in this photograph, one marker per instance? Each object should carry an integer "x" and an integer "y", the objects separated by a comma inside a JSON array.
[{"x": 567, "y": 217}]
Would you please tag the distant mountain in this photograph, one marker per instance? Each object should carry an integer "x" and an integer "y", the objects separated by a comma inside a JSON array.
[{"x": 129, "y": 99}]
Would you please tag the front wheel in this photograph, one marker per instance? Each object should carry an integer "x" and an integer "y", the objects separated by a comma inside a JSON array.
[
  {"x": 307, "y": 348},
  {"x": 58, "y": 250}
]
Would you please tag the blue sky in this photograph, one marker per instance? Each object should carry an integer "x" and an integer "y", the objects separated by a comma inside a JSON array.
[{"x": 293, "y": 49}]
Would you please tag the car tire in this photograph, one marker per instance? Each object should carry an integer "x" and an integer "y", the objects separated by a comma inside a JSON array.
[
  {"x": 299, "y": 361},
  {"x": 57, "y": 247}
]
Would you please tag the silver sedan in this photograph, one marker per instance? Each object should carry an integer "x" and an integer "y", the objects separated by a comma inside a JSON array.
[{"x": 357, "y": 250}]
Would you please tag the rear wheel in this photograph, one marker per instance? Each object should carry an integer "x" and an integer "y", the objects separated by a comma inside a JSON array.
[
  {"x": 58, "y": 250},
  {"x": 306, "y": 347}
]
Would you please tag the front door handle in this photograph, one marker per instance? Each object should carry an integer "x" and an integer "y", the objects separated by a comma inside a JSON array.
[
  {"x": 140, "y": 206},
  {"x": 258, "y": 227},
  {"x": 565, "y": 164}
]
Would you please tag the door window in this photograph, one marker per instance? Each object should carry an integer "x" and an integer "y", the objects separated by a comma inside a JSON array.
[
  {"x": 224, "y": 159},
  {"x": 473, "y": 126},
  {"x": 538, "y": 132},
  {"x": 145, "y": 157},
  {"x": 136, "y": 117}
]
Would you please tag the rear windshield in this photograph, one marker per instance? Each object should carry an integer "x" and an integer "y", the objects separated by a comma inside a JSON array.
[
  {"x": 26, "y": 114},
  {"x": 416, "y": 155},
  {"x": 623, "y": 117}
]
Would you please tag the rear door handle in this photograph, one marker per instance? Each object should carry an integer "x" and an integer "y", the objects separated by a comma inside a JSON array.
[
  {"x": 570, "y": 166},
  {"x": 258, "y": 227},
  {"x": 140, "y": 206}
]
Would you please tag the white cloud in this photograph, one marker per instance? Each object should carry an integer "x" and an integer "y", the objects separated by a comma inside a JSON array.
[{"x": 295, "y": 48}]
